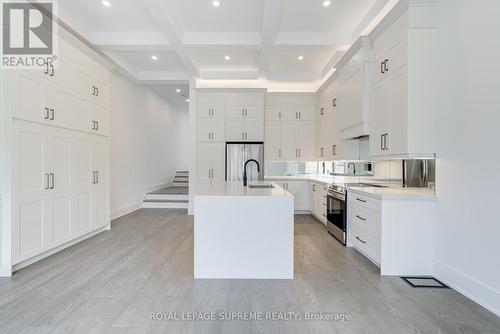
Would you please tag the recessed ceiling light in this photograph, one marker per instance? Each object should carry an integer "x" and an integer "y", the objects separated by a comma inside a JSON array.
[
  {"x": 216, "y": 3},
  {"x": 227, "y": 57},
  {"x": 106, "y": 3},
  {"x": 178, "y": 90},
  {"x": 326, "y": 3},
  {"x": 187, "y": 100},
  {"x": 154, "y": 57},
  {"x": 300, "y": 57}
]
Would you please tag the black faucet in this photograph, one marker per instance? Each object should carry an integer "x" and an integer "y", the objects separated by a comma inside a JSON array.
[
  {"x": 353, "y": 165},
  {"x": 245, "y": 171}
]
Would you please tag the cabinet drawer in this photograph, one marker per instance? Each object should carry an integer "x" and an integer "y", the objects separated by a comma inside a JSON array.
[
  {"x": 366, "y": 218},
  {"x": 364, "y": 201},
  {"x": 364, "y": 241}
]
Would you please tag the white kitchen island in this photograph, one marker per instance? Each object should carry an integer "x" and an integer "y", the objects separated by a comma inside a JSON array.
[{"x": 243, "y": 233}]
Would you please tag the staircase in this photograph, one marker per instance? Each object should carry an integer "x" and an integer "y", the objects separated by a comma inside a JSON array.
[{"x": 172, "y": 197}]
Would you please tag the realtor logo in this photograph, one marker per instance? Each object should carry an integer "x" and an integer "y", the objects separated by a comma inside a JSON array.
[{"x": 28, "y": 35}]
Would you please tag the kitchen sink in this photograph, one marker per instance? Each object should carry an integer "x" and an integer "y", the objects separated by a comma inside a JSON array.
[
  {"x": 261, "y": 186},
  {"x": 373, "y": 185}
]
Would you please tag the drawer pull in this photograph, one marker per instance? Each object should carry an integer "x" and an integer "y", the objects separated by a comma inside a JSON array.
[
  {"x": 361, "y": 218},
  {"x": 324, "y": 204},
  {"x": 324, "y": 215},
  {"x": 364, "y": 242},
  {"x": 360, "y": 200}
]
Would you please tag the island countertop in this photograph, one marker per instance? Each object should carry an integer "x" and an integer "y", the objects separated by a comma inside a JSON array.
[{"x": 236, "y": 189}]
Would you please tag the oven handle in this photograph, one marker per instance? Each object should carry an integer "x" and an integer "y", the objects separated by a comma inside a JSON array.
[{"x": 337, "y": 197}]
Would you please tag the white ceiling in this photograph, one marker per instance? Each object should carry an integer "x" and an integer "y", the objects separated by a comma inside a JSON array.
[{"x": 192, "y": 37}]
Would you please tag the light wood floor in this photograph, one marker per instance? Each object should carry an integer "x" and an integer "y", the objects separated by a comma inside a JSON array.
[{"x": 111, "y": 282}]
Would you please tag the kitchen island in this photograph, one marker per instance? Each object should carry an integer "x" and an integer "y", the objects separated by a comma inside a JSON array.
[{"x": 243, "y": 232}]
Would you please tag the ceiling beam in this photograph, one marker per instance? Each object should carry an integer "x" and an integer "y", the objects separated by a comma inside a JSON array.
[
  {"x": 271, "y": 19},
  {"x": 161, "y": 11},
  {"x": 131, "y": 41},
  {"x": 239, "y": 39}
]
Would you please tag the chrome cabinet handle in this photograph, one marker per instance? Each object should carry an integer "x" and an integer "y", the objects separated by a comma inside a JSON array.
[
  {"x": 324, "y": 215},
  {"x": 324, "y": 204},
  {"x": 97, "y": 176},
  {"x": 360, "y": 200},
  {"x": 334, "y": 150},
  {"x": 51, "y": 70},
  {"x": 361, "y": 218},
  {"x": 47, "y": 113},
  {"x": 97, "y": 125},
  {"x": 279, "y": 153},
  {"x": 52, "y": 181},
  {"x": 52, "y": 114},
  {"x": 47, "y": 181},
  {"x": 279, "y": 115},
  {"x": 386, "y": 65},
  {"x": 382, "y": 67},
  {"x": 46, "y": 68},
  {"x": 362, "y": 241}
]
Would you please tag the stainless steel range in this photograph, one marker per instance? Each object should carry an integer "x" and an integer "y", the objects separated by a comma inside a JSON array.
[{"x": 337, "y": 210}]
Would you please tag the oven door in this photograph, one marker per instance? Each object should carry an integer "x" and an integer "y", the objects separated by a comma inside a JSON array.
[{"x": 336, "y": 215}]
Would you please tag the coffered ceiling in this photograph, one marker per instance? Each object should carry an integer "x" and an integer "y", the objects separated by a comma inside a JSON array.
[{"x": 161, "y": 42}]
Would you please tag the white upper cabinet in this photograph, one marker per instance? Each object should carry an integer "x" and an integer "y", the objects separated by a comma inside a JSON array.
[
  {"x": 307, "y": 132},
  {"x": 211, "y": 110},
  {"x": 211, "y": 130},
  {"x": 307, "y": 113},
  {"x": 352, "y": 91},
  {"x": 273, "y": 113},
  {"x": 402, "y": 93},
  {"x": 245, "y": 111},
  {"x": 244, "y": 129}
]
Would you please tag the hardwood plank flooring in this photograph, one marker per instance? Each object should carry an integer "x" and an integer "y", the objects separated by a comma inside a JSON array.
[{"x": 113, "y": 281}]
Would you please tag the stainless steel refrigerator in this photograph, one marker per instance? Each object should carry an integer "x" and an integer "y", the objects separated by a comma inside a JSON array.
[{"x": 236, "y": 156}]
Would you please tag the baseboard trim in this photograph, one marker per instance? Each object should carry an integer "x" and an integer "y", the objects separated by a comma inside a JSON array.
[
  {"x": 158, "y": 187},
  {"x": 123, "y": 211},
  {"x": 52, "y": 251},
  {"x": 484, "y": 295}
]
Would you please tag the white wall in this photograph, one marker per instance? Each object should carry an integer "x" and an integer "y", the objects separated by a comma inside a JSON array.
[
  {"x": 468, "y": 164},
  {"x": 149, "y": 140}
]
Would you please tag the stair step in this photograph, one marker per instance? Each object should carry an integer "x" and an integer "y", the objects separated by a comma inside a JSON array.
[
  {"x": 164, "y": 201},
  {"x": 167, "y": 197}
]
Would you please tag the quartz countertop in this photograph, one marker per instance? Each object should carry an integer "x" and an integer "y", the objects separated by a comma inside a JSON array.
[
  {"x": 236, "y": 189},
  {"x": 390, "y": 191}
]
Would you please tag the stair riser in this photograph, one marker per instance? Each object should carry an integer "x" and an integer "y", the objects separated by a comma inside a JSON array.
[{"x": 180, "y": 184}]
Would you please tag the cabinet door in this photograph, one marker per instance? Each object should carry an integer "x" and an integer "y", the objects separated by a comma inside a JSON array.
[
  {"x": 60, "y": 106},
  {"x": 218, "y": 110},
  {"x": 101, "y": 91},
  {"x": 101, "y": 117},
  {"x": 290, "y": 113},
  {"x": 82, "y": 114},
  {"x": 100, "y": 153},
  {"x": 272, "y": 144},
  {"x": 397, "y": 137},
  {"x": 31, "y": 104},
  {"x": 60, "y": 160},
  {"x": 380, "y": 119},
  {"x": 273, "y": 113},
  {"x": 218, "y": 162},
  {"x": 300, "y": 192},
  {"x": 235, "y": 129},
  {"x": 289, "y": 132},
  {"x": 62, "y": 74},
  {"x": 204, "y": 110},
  {"x": 83, "y": 162},
  {"x": 204, "y": 129},
  {"x": 312, "y": 197},
  {"x": 204, "y": 162},
  {"x": 307, "y": 113},
  {"x": 307, "y": 139},
  {"x": 83, "y": 213},
  {"x": 324, "y": 129},
  {"x": 235, "y": 111},
  {"x": 254, "y": 111},
  {"x": 100, "y": 209},
  {"x": 83, "y": 82},
  {"x": 254, "y": 129},
  {"x": 218, "y": 129}
]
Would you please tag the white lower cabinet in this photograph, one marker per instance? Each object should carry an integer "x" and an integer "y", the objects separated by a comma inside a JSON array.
[
  {"x": 317, "y": 195},
  {"x": 397, "y": 234},
  {"x": 211, "y": 162},
  {"x": 300, "y": 192},
  {"x": 51, "y": 168}
]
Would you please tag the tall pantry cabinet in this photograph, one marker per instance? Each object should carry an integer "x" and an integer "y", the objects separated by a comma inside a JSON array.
[{"x": 59, "y": 140}]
